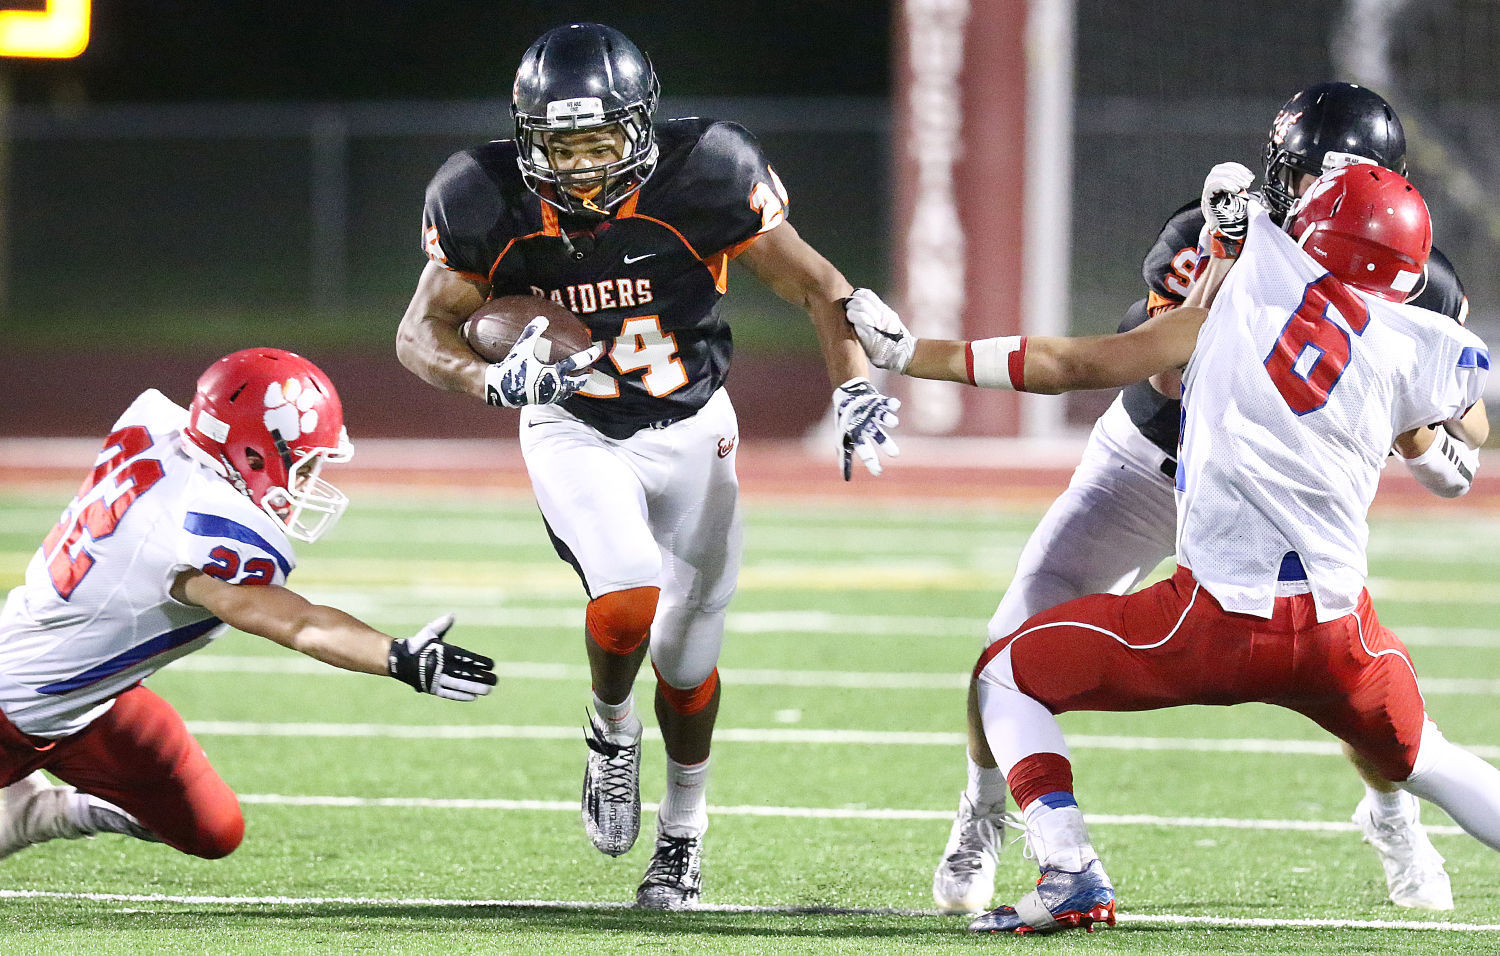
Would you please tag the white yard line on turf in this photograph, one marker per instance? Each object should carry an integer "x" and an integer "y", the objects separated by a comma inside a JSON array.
[
  {"x": 1165, "y": 919},
  {"x": 768, "y": 735},
  {"x": 815, "y": 813},
  {"x": 749, "y": 677}
]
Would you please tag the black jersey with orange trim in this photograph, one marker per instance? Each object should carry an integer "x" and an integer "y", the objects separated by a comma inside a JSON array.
[
  {"x": 1168, "y": 270},
  {"x": 647, "y": 281}
]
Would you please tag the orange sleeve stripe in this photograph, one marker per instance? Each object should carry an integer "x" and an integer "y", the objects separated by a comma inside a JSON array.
[
  {"x": 670, "y": 228},
  {"x": 1156, "y": 302},
  {"x": 734, "y": 250},
  {"x": 491, "y": 277}
]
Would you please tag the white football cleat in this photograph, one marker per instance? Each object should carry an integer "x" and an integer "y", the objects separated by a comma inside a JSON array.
[
  {"x": 1414, "y": 874},
  {"x": 33, "y": 811},
  {"x": 965, "y": 878},
  {"x": 611, "y": 789}
]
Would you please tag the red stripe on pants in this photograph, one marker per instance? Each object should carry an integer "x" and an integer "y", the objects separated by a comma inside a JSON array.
[{"x": 1361, "y": 691}]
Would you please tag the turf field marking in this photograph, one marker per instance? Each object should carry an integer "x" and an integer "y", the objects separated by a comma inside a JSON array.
[
  {"x": 749, "y": 677},
  {"x": 771, "y": 735},
  {"x": 1165, "y": 919},
  {"x": 815, "y": 813}
]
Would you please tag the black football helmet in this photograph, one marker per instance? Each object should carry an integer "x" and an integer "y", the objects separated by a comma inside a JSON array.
[
  {"x": 576, "y": 78},
  {"x": 1324, "y": 127}
]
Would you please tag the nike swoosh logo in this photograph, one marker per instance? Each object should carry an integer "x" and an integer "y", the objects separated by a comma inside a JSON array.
[
  {"x": 893, "y": 336},
  {"x": 633, "y": 259}
]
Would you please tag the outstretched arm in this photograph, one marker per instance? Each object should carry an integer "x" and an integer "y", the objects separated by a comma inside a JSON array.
[
  {"x": 425, "y": 661},
  {"x": 1051, "y": 365}
]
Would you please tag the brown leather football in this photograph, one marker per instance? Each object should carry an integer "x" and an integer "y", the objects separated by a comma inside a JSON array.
[{"x": 494, "y": 327}]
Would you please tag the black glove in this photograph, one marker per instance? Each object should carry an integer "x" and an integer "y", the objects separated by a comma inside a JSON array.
[{"x": 433, "y": 666}]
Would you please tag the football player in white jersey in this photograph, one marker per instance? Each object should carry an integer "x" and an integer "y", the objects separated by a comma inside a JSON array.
[
  {"x": 180, "y": 531},
  {"x": 1300, "y": 379},
  {"x": 1115, "y": 521}
]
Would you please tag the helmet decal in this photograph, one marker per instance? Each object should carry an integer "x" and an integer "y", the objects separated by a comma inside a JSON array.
[
  {"x": 290, "y": 409},
  {"x": 1283, "y": 124}
]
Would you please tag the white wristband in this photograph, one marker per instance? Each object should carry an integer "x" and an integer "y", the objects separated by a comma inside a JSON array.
[{"x": 998, "y": 362}]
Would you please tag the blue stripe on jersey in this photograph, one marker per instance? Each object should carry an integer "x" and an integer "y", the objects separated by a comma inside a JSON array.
[
  {"x": 218, "y": 526},
  {"x": 113, "y": 666},
  {"x": 1471, "y": 357}
]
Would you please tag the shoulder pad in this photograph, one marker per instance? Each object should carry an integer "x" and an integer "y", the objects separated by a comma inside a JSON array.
[
  {"x": 227, "y": 537},
  {"x": 158, "y": 413},
  {"x": 1443, "y": 292},
  {"x": 713, "y": 185},
  {"x": 476, "y": 203}
]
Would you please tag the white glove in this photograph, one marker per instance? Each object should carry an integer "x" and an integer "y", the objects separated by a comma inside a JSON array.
[
  {"x": 1226, "y": 209},
  {"x": 865, "y": 418},
  {"x": 525, "y": 377},
  {"x": 887, "y": 342}
]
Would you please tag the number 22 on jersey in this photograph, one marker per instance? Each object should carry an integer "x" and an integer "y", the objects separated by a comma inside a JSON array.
[
  {"x": 1313, "y": 350},
  {"x": 106, "y": 494}
]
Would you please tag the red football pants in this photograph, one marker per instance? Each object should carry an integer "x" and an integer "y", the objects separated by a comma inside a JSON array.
[
  {"x": 1173, "y": 644},
  {"x": 140, "y": 757}
]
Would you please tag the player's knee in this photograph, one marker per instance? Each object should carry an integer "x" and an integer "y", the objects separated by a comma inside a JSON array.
[
  {"x": 693, "y": 699},
  {"x": 218, "y": 837},
  {"x": 620, "y": 621}
]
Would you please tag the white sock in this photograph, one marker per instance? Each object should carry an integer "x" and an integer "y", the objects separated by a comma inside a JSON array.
[
  {"x": 986, "y": 789},
  {"x": 621, "y": 725},
  {"x": 91, "y": 815},
  {"x": 1393, "y": 808},
  {"x": 1465, "y": 786},
  {"x": 1016, "y": 726},
  {"x": 684, "y": 810},
  {"x": 1059, "y": 837}
]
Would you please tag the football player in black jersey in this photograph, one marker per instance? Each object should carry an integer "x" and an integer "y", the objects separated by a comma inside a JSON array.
[
  {"x": 1122, "y": 493},
  {"x": 631, "y": 224}
]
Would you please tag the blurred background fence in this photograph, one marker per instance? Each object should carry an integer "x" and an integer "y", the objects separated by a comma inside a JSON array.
[{"x": 176, "y": 227}]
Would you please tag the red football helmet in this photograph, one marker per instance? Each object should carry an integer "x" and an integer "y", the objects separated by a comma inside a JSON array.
[
  {"x": 1369, "y": 227},
  {"x": 268, "y": 420}
]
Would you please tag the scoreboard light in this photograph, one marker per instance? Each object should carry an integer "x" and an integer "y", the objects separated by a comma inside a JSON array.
[{"x": 58, "y": 32}]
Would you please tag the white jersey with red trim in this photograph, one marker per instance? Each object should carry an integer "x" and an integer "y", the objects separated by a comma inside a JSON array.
[
  {"x": 1297, "y": 386},
  {"x": 95, "y": 615}
]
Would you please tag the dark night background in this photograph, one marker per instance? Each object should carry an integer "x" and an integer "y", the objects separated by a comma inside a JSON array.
[{"x": 340, "y": 50}]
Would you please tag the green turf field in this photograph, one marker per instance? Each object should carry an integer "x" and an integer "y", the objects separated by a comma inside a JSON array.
[{"x": 382, "y": 821}]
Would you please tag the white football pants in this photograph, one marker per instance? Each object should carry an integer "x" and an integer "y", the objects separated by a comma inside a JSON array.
[
  {"x": 1113, "y": 525},
  {"x": 660, "y": 508}
]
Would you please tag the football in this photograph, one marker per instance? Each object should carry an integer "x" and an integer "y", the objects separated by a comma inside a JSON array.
[{"x": 494, "y": 327}]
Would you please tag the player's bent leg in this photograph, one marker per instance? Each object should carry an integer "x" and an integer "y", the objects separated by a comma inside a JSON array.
[
  {"x": 145, "y": 775},
  {"x": 1129, "y": 503}
]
